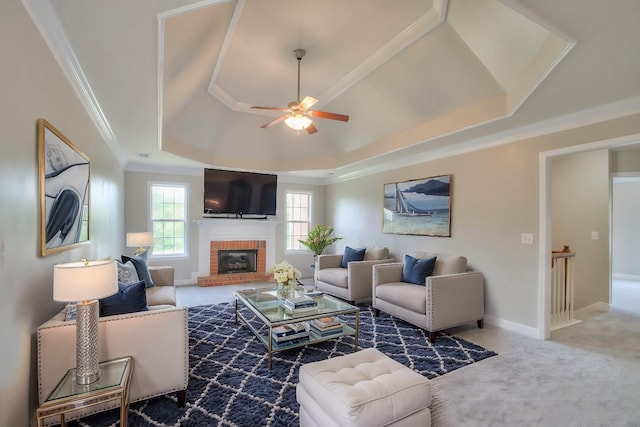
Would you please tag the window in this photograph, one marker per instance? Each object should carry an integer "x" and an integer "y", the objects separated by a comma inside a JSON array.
[
  {"x": 298, "y": 219},
  {"x": 168, "y": 218}
]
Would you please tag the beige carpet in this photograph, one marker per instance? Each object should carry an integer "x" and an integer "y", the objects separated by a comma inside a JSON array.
[{"x": 586, "y": 375}]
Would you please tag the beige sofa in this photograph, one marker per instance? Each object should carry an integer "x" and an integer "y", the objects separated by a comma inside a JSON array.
[
  {"x": 354, "y": 282},
  {"x": 450, "y": 297},
  {"x": 157, "y": 339}
]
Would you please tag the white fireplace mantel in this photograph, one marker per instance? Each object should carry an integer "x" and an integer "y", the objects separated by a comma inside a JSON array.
[{"x": 216, "y": 229}]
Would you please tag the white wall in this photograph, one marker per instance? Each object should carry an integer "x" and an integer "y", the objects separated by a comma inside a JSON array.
[{"x": 33, "y": 86}]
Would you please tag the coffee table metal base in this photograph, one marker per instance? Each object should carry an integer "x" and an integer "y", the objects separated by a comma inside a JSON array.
[{"x": 263, "y": 316}]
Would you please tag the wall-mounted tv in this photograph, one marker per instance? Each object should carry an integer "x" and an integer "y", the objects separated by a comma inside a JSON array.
[{"x": 239, "y": 193}]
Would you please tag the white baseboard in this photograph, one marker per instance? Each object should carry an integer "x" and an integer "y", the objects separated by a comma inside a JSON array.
[
  {"x": 512, "y": 326},
  {"x": 184, "y": 282},
  {"x": 598, "y": 306},
  {"x": 622, "y": 276}
]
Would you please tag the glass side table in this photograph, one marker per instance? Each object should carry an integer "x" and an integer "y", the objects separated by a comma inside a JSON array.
[{"x": 113, "y": 384}]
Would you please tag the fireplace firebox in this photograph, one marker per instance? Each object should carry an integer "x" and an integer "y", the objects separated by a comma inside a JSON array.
[{"x": 237, "y": 261}]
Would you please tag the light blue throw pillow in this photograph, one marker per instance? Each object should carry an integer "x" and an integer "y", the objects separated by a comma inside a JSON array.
[{"x": 416, "y": 270}]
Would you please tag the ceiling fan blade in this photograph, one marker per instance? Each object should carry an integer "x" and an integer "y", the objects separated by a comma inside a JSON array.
[
  {"x": 256, "y": 107},
  {"x": 332, "y": 116},
  {"x": 274, "y": 121},
  {"x": 307, "y": 102},
  {"x": 311, "y": 129}
]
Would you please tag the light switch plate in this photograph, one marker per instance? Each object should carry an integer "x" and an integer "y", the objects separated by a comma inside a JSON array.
[
  {"x": 526, "y": 238},
  {"x": 594, "y": 235}
]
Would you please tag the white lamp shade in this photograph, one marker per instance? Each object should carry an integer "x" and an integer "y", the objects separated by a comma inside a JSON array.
[
  {"x": 83, "y": 281},
  {"x": 143, "y": 239}
]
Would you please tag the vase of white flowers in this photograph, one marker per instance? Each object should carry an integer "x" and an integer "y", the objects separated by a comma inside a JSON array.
[{"x": 285, "y": 275}]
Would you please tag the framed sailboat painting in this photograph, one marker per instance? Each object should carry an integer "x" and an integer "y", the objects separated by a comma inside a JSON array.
[{"x": 419, "y": 206}]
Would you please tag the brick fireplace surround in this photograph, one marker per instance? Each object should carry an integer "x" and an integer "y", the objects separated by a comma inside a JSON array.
[
  {"x": 215, "y": 279},
  {"x": 234, "y": 234}
]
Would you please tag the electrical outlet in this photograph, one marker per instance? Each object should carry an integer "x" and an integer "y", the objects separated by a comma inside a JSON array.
[
  {"x": 594, "y": 235},
  {"x": 526, "y": 238}
]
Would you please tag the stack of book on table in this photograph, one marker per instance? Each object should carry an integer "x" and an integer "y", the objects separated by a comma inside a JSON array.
[
  {"x": 300, "y": 305},
  {"x": 325, "y": 326},
  {"x": 288, "y": 335}
]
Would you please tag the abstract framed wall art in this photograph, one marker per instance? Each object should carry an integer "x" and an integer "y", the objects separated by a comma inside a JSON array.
[
  {"x": 64, "y": 175},
  {"x": 419, "y": 206}
]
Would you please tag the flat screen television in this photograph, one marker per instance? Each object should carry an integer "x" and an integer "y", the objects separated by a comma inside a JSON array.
[{"x": 239, "y": 193}]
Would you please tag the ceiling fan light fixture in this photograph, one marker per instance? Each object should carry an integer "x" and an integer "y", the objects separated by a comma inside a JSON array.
[
  {"x": 298, "y": 112},
  {"x": 298, "y": 121}
]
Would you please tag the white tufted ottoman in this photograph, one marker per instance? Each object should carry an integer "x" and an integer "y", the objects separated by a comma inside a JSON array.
[{"x": 365, "y": 388}]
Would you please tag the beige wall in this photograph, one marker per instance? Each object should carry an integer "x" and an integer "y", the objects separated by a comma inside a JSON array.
[
  {"x": 495, "y": 198},
  {"x": 137, "y": 219},
  {"x": 579, "y": 207},
  {"x": 625, "y": 242},
  {"x": 623, "y": 162},
  {"x": 137, "y": 210},
  {"x": 33, "y": 86},
  {"x": 626, "y": 230}
]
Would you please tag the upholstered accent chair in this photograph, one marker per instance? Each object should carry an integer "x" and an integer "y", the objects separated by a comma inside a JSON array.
[
  {"x": 449, "y": 296},
  {"x": 157, "y": 339},
  {"x": 353, "y": 282}
]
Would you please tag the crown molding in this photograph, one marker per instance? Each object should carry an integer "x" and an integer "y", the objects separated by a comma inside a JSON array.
[
  {"x": 578, "y": 119},
  {"x": 48, "y": 24}
]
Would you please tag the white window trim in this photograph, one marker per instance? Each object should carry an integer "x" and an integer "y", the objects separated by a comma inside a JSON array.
[
  {"x": 303, "y": 250},
  {"x": 186, "y": 218}
]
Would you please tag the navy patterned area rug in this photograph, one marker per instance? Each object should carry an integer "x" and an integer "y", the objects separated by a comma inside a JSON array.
[{"x": 230, "y": 384}]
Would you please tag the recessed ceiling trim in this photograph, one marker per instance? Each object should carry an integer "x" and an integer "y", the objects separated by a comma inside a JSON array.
[
  {"x": 190, "y": 8},
  {"x": 418, "y": 29},
  {"x": 235, "y": 18},
  {"x": 162, "y": 17},
  {"x": 514, "y": 107}
]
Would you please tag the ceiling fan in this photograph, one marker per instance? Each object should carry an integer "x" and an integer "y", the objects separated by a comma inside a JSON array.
[{"x": 298, "y": 112}]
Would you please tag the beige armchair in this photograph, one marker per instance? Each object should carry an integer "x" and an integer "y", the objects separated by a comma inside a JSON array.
[
  {"x": 450, "y": 297},
  {"x": 354, "y": 282},
  {"x": 157, "y": 340}
]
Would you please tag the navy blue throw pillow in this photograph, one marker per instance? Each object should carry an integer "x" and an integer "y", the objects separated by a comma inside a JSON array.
[
  {"x": 416, "y": 270},
  {"x": 130, "y": 298},
  {"x": 141, "y": 268},
  {"x": 351, "y": 254}
]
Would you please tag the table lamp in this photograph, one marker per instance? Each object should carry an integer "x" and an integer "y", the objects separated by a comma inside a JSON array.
[
  {"x": 142, "y": 240},
  {"x": 84, "y": 282}
]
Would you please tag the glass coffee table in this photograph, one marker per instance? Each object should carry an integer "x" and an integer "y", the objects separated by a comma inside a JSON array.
[{"x": 269, "y": 312}]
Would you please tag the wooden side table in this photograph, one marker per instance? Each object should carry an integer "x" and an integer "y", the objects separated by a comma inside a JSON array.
[{"x": 113, "y": 384}]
